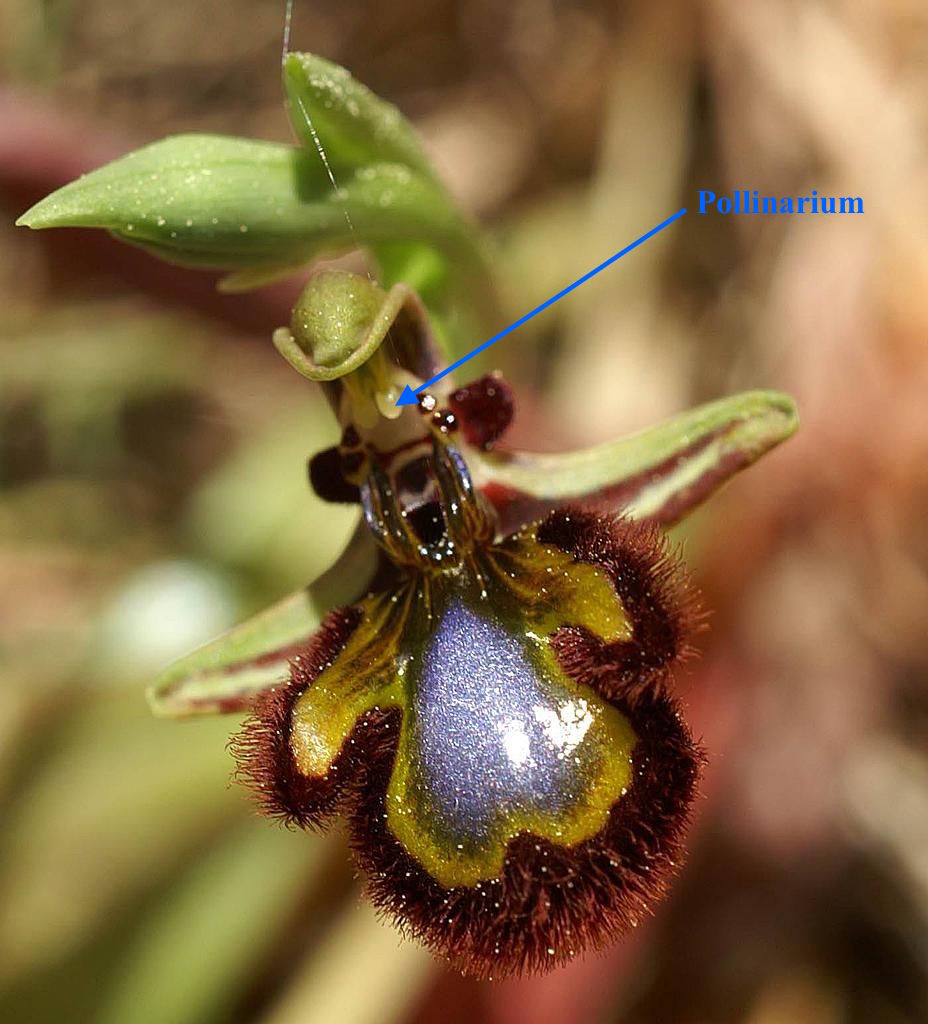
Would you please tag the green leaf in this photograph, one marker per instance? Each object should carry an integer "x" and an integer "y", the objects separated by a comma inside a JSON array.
[
  {"x": 206, "y": 939},
  {"x": 361, "y": 973},
  {"x": 190, "y": 196},
  {"x": 330, "y": 109},
  {"x": 262, "y": 210},
  {"x": 226, "y": 674},
  {"x": 659, "y": 474}
]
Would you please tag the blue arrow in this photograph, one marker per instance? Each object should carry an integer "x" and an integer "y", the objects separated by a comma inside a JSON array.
[{"x": 408, "y": 397}]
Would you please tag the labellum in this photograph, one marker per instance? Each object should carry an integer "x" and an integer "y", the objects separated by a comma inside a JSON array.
[{"x": 494, "y": 721}]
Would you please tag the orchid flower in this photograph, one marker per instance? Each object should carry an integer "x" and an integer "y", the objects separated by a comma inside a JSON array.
[{"x": 481, "y": 683}]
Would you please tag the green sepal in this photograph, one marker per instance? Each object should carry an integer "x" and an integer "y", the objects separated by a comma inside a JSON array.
[
  {"x": 226, "y": 674},
  {"x": 341, "y": 122},
  {"x": 330, "y": 108},
  {"x": 659, "y": 474},
  {"x": 232, "y": 204}
]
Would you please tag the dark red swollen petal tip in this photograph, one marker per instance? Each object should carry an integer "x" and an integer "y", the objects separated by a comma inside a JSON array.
[
  {"x": 484, "y": 410},
  {"x": 550, "y": 902}
]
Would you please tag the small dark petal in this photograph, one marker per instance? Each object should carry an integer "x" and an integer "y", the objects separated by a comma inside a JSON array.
[
  {"x": 327, "y": 478},
  {"x": 351, "y": 463},
  {"x": 655, "y": 590},
  {"x": 484, "y": 409},
  {"x": 261, "y": 748},
  {"x": 551, "y": 902}
]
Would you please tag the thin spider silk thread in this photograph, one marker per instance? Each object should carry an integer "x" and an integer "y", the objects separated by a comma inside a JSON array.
[
  {"x": 288, "y": 18},
  {"x": 317, "y": 141},
  {"x": 320, "y": 149}
]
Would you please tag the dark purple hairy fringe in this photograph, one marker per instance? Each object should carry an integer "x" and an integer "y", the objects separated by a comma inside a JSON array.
[
  {"x": 261, "y": 748},
  {"x": 655, "y": 590},
  {"x": 551, "y": 902}
]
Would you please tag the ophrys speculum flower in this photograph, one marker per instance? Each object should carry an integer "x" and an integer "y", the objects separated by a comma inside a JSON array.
[
  {"x": 495, "y": 723},
  {"x": 493, "y": 716},
  {"x": 480, "y": 682}
]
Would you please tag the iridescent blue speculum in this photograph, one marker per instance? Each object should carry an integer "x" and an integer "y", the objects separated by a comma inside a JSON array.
[{"x": 493, "y": 717}]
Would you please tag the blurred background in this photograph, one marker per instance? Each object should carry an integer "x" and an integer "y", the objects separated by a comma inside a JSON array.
[{"x": 153, "y": 492}]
